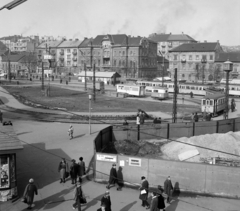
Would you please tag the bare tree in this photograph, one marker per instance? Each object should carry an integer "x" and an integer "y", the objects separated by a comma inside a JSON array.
[{"x": 30, "y": 61}]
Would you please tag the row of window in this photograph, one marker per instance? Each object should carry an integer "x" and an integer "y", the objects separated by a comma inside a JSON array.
[
  {"x": 191, "y": 65},
  {"x": 190, "y": 57}
]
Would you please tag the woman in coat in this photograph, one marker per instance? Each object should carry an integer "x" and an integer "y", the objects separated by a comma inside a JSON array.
[
  {"x": 74, "y": 171},
  {"x": 106, "y": 201},
  {"x": 29, "y": 192},
  {"x": 144, "y": 192},
  {"x": 154, "y": 202},
  {"x": 62, "y": 169}
]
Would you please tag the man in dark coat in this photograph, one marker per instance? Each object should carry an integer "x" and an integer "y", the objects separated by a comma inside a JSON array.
[
  {"x": 161, "y": 203},
  {"x": 81, "y": 168},
  {"x": 154, "y": 202},
  {"x": 113, "y": 178},
  {"x": 168, "y": 188},
  {"x": 29, "y": 192},
  {"x": 74, "y": 171},
  {"x": 144, "y": 192},
  {"x": 106, "y": 201}
]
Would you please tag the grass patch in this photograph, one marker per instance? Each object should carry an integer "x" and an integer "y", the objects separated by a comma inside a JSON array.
[{"x": 78, "y": 101}]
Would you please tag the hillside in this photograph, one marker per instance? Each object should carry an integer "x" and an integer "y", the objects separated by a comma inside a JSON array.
[{"x": 229, "y": 49}]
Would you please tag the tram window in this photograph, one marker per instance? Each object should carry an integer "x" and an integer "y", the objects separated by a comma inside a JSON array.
[
  {"x": 211, "y": 102},
  {"x": 196, "y": 87},
  {"x": 148, "y": 90},
  {"x": 187, "y": 87},
  {"x": 200, "y": 88},
  {"x": 207, "y": 101},
  {"x": 155, "y": 90},
  {"x": 143, "y": 84},
  {"x": 183, "y": 87},
  {"x": 204, "y": 102},
  {"x": 170, "y": 86},
  {"x": 233, "y": 88},
  {"x": 153, "y": 84},
  {"x": 192, "y": 87}
]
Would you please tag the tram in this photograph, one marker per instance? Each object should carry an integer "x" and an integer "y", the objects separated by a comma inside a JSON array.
[
  {"x": 160, "y": 93},
  {"x": 131, "y": 90},
  {"x": 213, "y": 104}
]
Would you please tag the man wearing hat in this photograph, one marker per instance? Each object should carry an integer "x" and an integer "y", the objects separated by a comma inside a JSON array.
[
  {"x": 144, "y": 192},
  {"x": 29, "y": 193},
  {"x": 74, "y": 171},
  {"x": 106, "y": 201},
  {"x": 113, "y": 178}
]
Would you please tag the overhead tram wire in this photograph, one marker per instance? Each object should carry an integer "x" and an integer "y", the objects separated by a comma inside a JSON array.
[{"x": 150, "y": 134}]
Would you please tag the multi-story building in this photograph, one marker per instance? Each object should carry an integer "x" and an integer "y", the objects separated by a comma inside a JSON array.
[
  {"x": 233, "y": 57},
  {"x": 21, "y": 44},
  {"x": 162, "y": 66},
  {"x": 167, "y": 42},
  {"x": 48, "y": 48},
  {"x": 67, "y": 56},
  {"x": 194, "y": 61},
  {"x": 131, "y": 57}
]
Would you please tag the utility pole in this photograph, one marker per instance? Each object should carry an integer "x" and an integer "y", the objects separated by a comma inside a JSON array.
[
  {"x": 85, "y": 81},
  {"x": 174, "y": 112},
  {"x": 9, "y": 70},
  {"x": 162, "y": 71},
  {"x": 94, "y": 85}
]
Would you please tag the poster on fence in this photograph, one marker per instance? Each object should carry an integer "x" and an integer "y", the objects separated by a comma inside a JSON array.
[{"x": 109, "y": 158}]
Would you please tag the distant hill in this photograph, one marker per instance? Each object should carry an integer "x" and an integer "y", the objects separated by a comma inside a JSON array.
[
  {"x": 13, "y": 38},
  {"x": 2, "y": 46},
  {"x": 229, "y": 49}
]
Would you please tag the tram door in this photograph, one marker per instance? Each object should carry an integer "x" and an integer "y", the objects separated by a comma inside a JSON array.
[{"x": 207, "y": 106}]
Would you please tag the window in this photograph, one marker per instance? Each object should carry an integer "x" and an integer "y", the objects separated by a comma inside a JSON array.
[
  {"x": 120, "y": 63},
  {"x": 175, "y": 57},
  {"x": 120, "y": 53},
  {"x": 204, "y": 57},
  {"x": 99, "y": 62},
  {"x": 68, "y": 63},
  {"x": 197, "y": 57},
  {"x": 115, "y": 63},
  {"x": 211, "y": 57},
  {"x": 123, "y": 53},
  {"x": 204, "y": 102},
  {"x": 69, "y": 56},
  {"x": 131, "y": 52},
  {"x": 123, "y": 63},
  {"x": 190, "y": 57},
  {"x": 68, "y": 50}
]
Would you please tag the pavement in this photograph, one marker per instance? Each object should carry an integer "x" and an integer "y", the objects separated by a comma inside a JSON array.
[{"x": 46, "y": 143}]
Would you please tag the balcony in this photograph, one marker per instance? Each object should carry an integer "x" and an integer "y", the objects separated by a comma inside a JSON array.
[
  {"x": 204, "y": 60},
  {"x": 61, "y": 52},
  {"x": 61, "y": 59},
  {"x": 183, "y": 60},
  {"x": 74, "y": 58},
  {"x": 74, "y": 53},
  {"x": 106, "y": 65}
]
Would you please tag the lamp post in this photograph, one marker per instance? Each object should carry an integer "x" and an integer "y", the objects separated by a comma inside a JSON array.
[
  {"x": 227, "y": 68},
  {"x": 90, "y": 99}
]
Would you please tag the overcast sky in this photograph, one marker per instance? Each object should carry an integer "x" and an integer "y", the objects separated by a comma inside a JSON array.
[{"x": 209, "y": 20}]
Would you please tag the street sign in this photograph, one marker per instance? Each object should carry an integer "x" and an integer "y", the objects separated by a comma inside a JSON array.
[{"x": 47, "y": 56}]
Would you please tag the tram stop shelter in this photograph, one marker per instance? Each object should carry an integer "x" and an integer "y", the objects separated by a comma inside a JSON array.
[
  {"x": 9, "y": 147},
  {"x": 106, "y": 77}
]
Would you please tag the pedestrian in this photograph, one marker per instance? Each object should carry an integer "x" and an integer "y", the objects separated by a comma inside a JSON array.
[
  {"x": 154, "y": 202},
  {"x": 142, "y": 117},
  {"x": 192, "y": 117},
  {"x": 113, "y": 179},
  {"x": 125, "y": 122},
  {"x": 81, "y": 168},
  {"x": 233, "y": 105},
  {"x": 70, "y": 132},
  {"x": 1, "y": 116},
  {"x": 161, "y": 203},
  {"x": 106, "y": 200},
  {"x": 191, "y": 94},
  {"x": 182, "y": 98},
  {"x": 78, "y": 195},
  {"x": 29, "y": 192},
  {"x": 196, "y": 117},
  {"x": 63, "y": 170},
  {"x": 168, "y": 188},
  {"x": 144, "y": 192},
  {"x": 74, "y": 171}
]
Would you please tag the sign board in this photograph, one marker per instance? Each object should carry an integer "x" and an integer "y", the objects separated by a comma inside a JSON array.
[
  {"x": 47, "y": 56},
  {"x": 109, "y": 158},
  {"x": 134, "y": 162},
  {"x": 188, "y": 154},
  {"x": 121, "y": 163}
]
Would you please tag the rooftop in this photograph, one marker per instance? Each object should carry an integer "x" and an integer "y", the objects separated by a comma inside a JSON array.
[
  {"x": 13, "y": 58},
  {"x": 51, "y": 44},
  {"x": 196, "y": 47},
  {"x": 70, "y": 44},
  {"x": 100, "y": 74},
  {"x": 233, "y": 57},
  {"x": 170, "y": 37},
  {"x": 9, "y": 139}
]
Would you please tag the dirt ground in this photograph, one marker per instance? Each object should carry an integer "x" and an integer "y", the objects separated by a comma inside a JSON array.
[{"x": 78, "y": 101}]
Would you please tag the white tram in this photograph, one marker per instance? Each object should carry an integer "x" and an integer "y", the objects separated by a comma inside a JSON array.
[
  {"x": 131, "y": 90},
  {"x": 160, "y": 93},
  {"x": 214, "y": 104}
]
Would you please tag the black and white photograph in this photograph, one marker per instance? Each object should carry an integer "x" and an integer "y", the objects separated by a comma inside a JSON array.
[{"x": 120, "y": 105}]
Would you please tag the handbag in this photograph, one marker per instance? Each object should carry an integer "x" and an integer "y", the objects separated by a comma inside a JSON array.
[
  {"x": 83, "y": 200},
  {"x": 67, "y": 174},
  {"x": 24, "y": 199}
]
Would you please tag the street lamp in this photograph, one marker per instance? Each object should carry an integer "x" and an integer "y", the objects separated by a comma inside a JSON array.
[
  {"x": 227, "y": 68},
  {"x": 90, "y": 99}
]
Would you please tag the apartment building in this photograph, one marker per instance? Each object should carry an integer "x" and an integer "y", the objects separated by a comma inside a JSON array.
[
  {"x": 166, "y": 42},
  {"x": 194, "y": 61},
  {"x": 131, "y": 57},
  {"x": 233, "y": 57}
]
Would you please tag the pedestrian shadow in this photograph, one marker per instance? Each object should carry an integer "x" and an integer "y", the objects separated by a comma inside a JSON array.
[
  {"x": 174, "y": 202},
  {"x": 128, "y": 207},
  {"x": 79, "y": 136},
  {"x": 120, "y": 177},
  {"x": 93, "y": 202},
  {"x": 53, "y": 200},
  {"x": 18, "y": 134}
]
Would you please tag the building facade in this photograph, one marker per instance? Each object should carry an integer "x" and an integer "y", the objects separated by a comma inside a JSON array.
[
  {"x": 131, "y": 57},
  {"x": 166, "y": 42},
  {"x": 219, "y": 65},
  {"x": 194, "y": 61}
]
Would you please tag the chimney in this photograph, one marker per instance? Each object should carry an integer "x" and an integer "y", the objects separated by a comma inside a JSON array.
[
  {"x": 76, "y": 39},
  {"x": 85, "y": 38},
  {"x": 217, "y": 41},
  {"x": 205, "y": 40}
]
